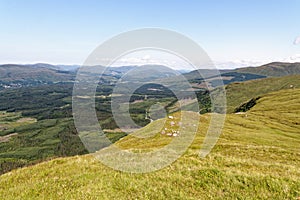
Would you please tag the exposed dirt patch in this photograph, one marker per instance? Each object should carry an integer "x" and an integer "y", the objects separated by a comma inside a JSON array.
[
  {"x": 118, "y": 130},
  {"x": 7, "y": 137},
  {"x": 26, "y": 119}
]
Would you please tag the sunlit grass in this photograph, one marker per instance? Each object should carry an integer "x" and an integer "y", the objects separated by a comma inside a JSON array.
[
  {"x": 256, "y": 157},
  {"x": 239, "y": 93}
]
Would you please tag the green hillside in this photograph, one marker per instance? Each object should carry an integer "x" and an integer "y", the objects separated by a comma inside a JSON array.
[
  {"x": 257, "y": 157},
  {"x": 242, "y": 92}
]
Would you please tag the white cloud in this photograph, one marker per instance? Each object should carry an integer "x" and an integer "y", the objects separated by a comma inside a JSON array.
[
  {"x": 152, "y": 57},
  {"x": 146, "y": 57},
  {"x": 147, "y": 60},
  {"x": 254, "y": 63},
  {"x": 292, "y": 59},
  {"x": 297, "y": 40},
  {"x": 232, "y": 64}
]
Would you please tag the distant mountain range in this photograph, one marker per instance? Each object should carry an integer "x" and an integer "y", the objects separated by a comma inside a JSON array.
[
  {"x": 273, "y": 69},
  {"x": 270, "y": 70},
  {"x": 15, "y": 75},
  {"x": 28, "y": 75}
]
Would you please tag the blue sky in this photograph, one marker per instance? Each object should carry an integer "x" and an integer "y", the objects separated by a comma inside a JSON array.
[{"x": 66, "y": 32}]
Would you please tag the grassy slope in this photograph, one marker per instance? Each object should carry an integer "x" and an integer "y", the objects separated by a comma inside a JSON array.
[
  {"x": 239, "y": 93},
  {"x": 257, "y": 157}
]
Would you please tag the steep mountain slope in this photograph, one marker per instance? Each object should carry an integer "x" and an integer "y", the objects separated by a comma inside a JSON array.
[{"x": 257, "y": 157}]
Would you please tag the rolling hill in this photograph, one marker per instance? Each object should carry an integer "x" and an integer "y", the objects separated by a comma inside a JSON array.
[
  {"x": 15, "y": 76},
  {"x": 256, "y": 157},
  {"x": 273, "y": 69},
  {"x": 12, "y": 76},
  {"x": 276, "y": 69},
  {"x": 242, "y": 92}
]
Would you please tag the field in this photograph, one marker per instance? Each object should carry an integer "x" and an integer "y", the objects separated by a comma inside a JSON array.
[{"x": 256, "y": 157}]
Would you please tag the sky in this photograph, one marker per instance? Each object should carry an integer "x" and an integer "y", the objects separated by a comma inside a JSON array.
[{"x": 233, "y": 33}]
